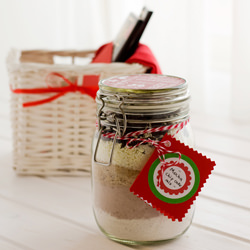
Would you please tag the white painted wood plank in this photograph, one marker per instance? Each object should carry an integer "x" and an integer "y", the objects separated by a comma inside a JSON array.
[
  {"x": 65, "y": 202},
  {"x": 223, "y": 217},
  {"x": 51, "y": 198},
  {"x": 6, "y": 245},
  {"x": 220, "y": 125},
  {"x": 233, "y": 190},
  {"x": 197, "y": 238},
  {"x": 5, "y": 128},
  {"x": 222, "y": 144},
  {"x": 228, "y": 190},
  {"x": 40, "y": 231},
  {"x": 55, "y": 200},
  {"x": 4, "y": 107},
  {"x": 46, "y": 196},
  {"x": 217, "y": 187},
  {"x": 78, "y": 183},
  {"x": 194, "y": 239},
  {"x": 230, "y": 166}
]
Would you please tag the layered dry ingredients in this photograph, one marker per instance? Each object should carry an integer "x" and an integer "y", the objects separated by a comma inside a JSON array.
[{"x": 119, "y": 213}]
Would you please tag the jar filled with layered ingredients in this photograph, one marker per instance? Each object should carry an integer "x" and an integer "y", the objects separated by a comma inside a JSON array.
[{"x": 130, "y": 109}]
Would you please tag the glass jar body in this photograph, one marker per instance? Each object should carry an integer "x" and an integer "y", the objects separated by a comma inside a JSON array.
[{"x": 119, "y": 213}]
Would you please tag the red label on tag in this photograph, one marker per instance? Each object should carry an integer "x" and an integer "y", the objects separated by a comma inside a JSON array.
[{"x": 171, "y": 185}]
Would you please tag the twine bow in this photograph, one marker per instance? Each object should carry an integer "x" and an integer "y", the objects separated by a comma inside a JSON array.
[
  {"x": 89, "y": 87},
  {"x": 160, "y": 146}
]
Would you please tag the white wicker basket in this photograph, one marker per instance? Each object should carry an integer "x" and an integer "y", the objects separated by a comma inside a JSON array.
[{"x": 54, "y": 138}]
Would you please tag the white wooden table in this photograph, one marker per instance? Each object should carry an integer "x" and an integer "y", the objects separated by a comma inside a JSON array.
[{"x": 55, "y": 213}]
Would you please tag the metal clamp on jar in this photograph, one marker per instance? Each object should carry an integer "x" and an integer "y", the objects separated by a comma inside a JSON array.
[{"x": 128, "y": 108}]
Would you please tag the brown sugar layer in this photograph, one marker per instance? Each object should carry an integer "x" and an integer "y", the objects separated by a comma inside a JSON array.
[{"x": 119, "y": 202}]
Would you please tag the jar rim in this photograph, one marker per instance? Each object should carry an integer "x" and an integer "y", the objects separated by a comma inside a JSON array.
[{"x": 147, "y": 84}]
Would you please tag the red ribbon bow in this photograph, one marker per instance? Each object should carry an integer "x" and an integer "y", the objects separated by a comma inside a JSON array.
[{"x": 89, "y": 87}]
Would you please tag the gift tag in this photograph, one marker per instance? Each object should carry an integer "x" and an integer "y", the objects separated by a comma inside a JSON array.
[{"x": 171, "y": 184}]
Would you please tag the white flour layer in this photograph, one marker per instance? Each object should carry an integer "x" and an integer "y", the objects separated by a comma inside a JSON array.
[{"x": 152, "y": 229}]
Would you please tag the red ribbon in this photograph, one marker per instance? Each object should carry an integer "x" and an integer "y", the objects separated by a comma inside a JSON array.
[{"x": 89, "y": 87}]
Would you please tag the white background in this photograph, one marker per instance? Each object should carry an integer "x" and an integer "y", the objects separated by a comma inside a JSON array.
[{"x": 204, "y": 41}]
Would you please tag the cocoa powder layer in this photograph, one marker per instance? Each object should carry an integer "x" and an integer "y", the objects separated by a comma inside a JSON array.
[
  {"x": 111, "y": 193},
  {"x": 119, "y": 202}
]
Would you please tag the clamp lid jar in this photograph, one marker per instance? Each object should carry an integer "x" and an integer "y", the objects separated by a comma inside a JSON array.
[{"x": 131, "y": 109}]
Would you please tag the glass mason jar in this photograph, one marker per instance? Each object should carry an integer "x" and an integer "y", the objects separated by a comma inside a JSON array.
[{"x": 128, "y": 104}]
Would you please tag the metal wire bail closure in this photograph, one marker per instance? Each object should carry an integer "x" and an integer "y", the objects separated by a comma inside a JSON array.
[
  {"x": 102, "y": 116},
  {"x": 97, "y": 145}
]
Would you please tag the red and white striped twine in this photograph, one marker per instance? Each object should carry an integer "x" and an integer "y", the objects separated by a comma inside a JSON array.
[
  {"x": 161, "y": 146},
  {"x": 128, "y": 136}
]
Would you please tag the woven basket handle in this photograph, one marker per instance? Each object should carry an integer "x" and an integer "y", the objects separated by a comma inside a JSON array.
[{"x": 46, "y": 56}]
